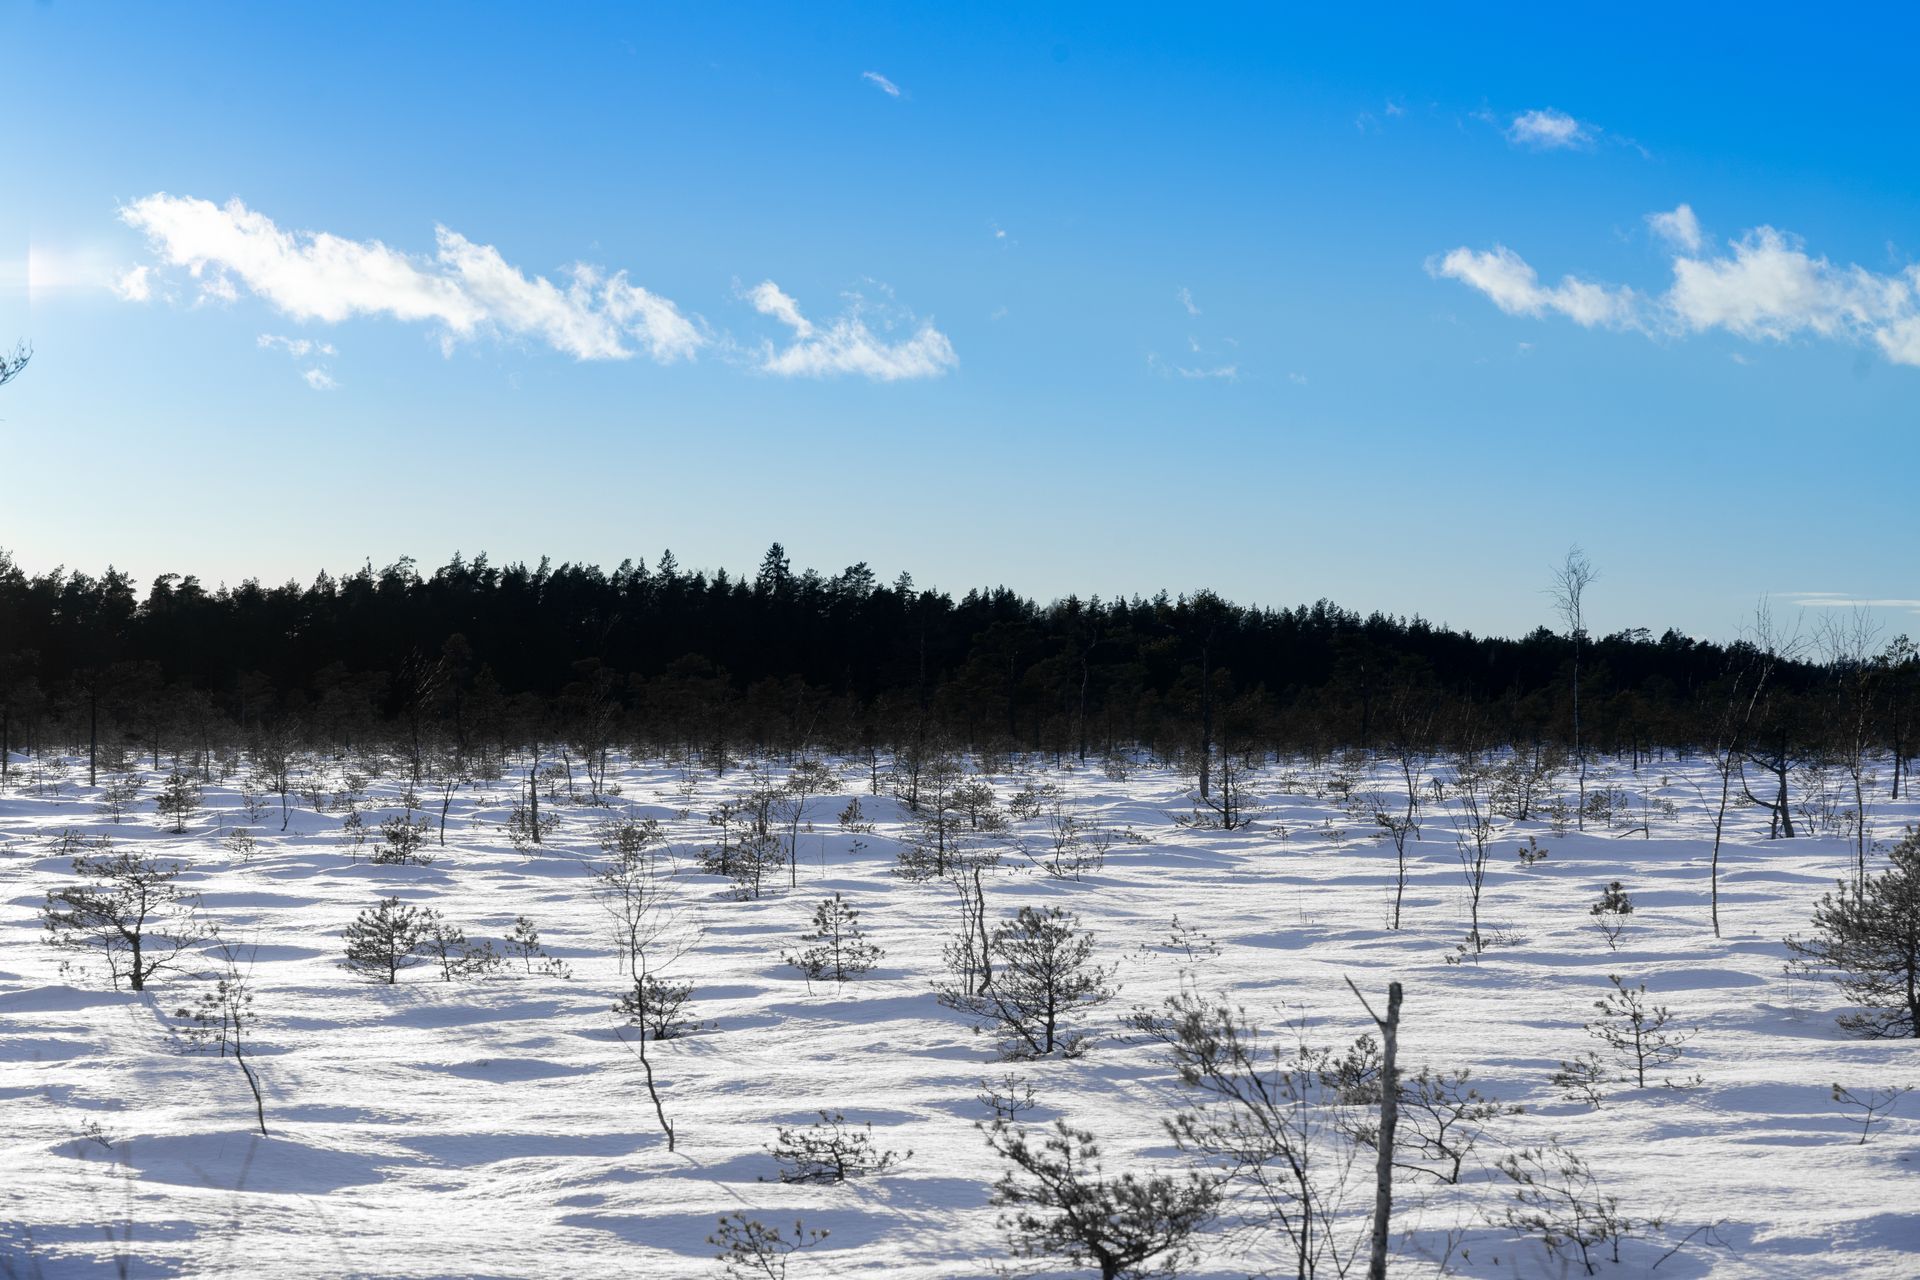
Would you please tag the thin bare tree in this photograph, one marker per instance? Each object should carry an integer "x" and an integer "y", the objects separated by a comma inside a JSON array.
[{"x": 1568, "y": 591}]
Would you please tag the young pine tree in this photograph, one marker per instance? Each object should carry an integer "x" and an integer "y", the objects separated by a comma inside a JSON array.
[
  {"x": 1610, "y": 914},
  {"x": 1868, "y": 942},
  {"x": 1061, "y": 1203},
  {"x": 1043, "y": 976},
  {"x": 385, "y": 939},
  {"x": 127, "y": 908},
  {"x": 839, "y": 947}
]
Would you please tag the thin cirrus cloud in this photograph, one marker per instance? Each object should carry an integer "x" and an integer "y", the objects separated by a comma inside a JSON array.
[
  {"x": 1223, "y": 372},
  {"x": 1762, "y": 287},
  {"x": 881, "y": 83},
  {"x": 1840, "y": 600},
  {"x": 848, "y": 344},
  {"x": 466, "y": 289}
]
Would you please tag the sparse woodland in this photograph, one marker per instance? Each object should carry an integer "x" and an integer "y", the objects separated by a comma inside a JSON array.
[{"x": 793, "y": 926}]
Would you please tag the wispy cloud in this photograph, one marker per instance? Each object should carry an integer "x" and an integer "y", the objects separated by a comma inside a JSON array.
[
  {"x": 1194, "y": 373},
  {"x": 1515, "y": 288},
  {"x": 1548, "y": 129},
  {"x": 135, "y": 285},
  {"x": 1763, "y": 287},
  {"x": 316, "y": 376},
  {"x": 848, "y": 344},
  {"x": 881, "y": 83},
  {"x": 1367, "y": 122},
  {"x": 298, "y": 348},
  {"x": 466, "y": 289},
  {"x": 1678, "y": 227},
  {"x": 1841, "y": 600},
  {"x": 1186, "y": 300}
]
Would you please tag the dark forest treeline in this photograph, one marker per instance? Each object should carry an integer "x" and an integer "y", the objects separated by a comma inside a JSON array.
[{"x": 784, "y": 661}]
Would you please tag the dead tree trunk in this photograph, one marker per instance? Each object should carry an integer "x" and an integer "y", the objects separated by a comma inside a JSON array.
[{"x": 1389, "y": 1122}]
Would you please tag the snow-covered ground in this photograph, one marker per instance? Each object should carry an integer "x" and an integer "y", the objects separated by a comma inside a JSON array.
[{"x": 500, "y": 1127}]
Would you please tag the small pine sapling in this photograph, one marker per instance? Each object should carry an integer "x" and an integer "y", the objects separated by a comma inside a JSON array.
[
  {"x": 1061, "y": 1203},
  {"x": 1008, "y": 1098},
  {"x": 383, "y": 940},
  {"x": 1642, "y": 1035},
  {"x": 831, "y": 1151},
  {"x": 220, "y": 1019},
  {"x": 657, "y": 1008},
  {"x": 1442, "y": 1117},
  {"x": 1043, "y": 976},
  {"x": 1557, "y": 1198},
  {"x": 240, "y": 845},
  {"x": 1610, "y": 914},
  {"x": 448, "y": 946},
  {"x": 853, "y": 820},
  {"x": 1581, "y": 1078},
  {"x": 178, "y": 801},
  {"x": 1867, "y": 939},
  {"x": 403, "y": 842},
  {"x": 1873, "y": 1105},
  {"x": 840, "y": 950},
  {"x": 524, "y": 943},
  {"x": 752, "y": 1250}
]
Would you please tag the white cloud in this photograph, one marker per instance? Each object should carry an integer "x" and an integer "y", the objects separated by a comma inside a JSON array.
[
  {"x": 1195, "y": 373},
  {"x": 1548, "y": 130},
  {"x": 848, "y": 344},
  {"x": 881, "y": 83},
  {"x": 217, "y": 288},
  {"x": 319, "y": 380},
  {"x": 769, "y": 300},
  {"x": 466, "y": 288},
  {"x": 298, "y": 348},
  {"x": 1678, "y": 228},
  {"x": 1186, "y": 300},
  {"x": 1841, "y": 600},
  {"x": 135, "y": 285},
  {"x": 1515, "y": 288},
  {"x": 1770, "y": 288},
  {"x": 1763, "y": 287}
]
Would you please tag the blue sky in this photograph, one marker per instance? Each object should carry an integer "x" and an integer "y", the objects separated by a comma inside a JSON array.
[{"x": 1102, "y": 299}]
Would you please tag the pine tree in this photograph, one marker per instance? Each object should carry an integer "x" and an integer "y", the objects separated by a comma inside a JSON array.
[
  {"x": 1043, "y": 976},
  {"x": 840, "y": 949},
  {"x": 1641, "y": 1034},
  {"x": 1610, "y": 913},
  {"x": 1868, "y": 942},
  {"x": 129, "y": 909},
  {"x": 178, "y": 800},
  {"x": 385, "y": 939},
  {"x": 1061, "y": 1203}
]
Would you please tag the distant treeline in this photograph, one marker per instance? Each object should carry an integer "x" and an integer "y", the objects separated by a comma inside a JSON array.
[{"x": 481, "y": 655}]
